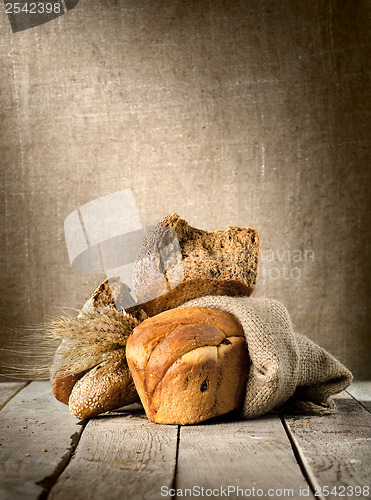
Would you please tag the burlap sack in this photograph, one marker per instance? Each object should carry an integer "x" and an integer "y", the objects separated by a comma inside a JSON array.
[{"x": 284, "y": 364}]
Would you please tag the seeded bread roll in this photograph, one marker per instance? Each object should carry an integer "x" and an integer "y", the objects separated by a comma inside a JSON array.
[
  {"x": 89, "y": 371},
  {"x": 104, "y": 299},
  {"x": 63, "y": 385},
  {"x": 188, "y": 364},
  {"x": 61, "y": 380},
  {"x": 105, "y": 387},
  {"x": 170, "y": 271}
]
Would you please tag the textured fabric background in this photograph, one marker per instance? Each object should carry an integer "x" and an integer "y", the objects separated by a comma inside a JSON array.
[{"x": 252, "y": 113}]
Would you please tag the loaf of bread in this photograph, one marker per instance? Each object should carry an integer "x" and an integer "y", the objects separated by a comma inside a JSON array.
[
  {"x": 107, "y": 386},
  {"x": 74, "y": 357},
  {"x": 170, "y": 271},
  {"x": 188, "y": 364},
  {"x": 62, "y": 385},
  {"x": 89, "y": 371}
]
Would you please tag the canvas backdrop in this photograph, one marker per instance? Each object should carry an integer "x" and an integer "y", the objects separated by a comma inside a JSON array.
[{"x": 250, "y": 113}]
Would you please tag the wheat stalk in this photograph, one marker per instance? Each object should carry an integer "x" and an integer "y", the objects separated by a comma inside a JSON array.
[{"x": 77, "y": 343}]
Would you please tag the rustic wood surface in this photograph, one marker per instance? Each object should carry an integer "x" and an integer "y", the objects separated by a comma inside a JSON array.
[
  {"x": 8, "y": 391},
  {"x": 335, "y": 448},
  {"x": 248, "y": 454},
  {"x": 122, "y": 455},
  {"x": 37, "y": 437}
]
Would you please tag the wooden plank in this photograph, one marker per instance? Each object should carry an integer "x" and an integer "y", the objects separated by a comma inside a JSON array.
[
  {"x": 122, "y": 456},
  {"x": 249, "y": 454},
  {"x": 8, "y": 390},
  {"x": 361, "y": 391},
  {"x": 335, "y": 449},
  {"x": 37, "y": 436}
]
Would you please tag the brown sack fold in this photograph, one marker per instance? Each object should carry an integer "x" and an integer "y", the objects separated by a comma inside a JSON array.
[{"x": 284, "y": 364}]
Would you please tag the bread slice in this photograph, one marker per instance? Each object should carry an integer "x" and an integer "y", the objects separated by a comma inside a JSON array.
[
  {"x": 111, "y": 293},
  {"x": 170, "y": 271}
]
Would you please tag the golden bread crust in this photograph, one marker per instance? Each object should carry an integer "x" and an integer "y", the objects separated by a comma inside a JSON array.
[{"x": 188, "y": 364}]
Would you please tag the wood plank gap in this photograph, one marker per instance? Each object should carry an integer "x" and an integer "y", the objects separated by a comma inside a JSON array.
[
  {"x": 35, "y": 436},
  {"x": 4, "y": 403},
  {"x": 231, "y": 454},
  {"x": 49, "y": 481},
  {"x": 367, "y": 408},
  {"x": 134, "y": 456},
  {"x": 361, "y": 391},
  {"x": 336, "y": 446},
  {"x": 173, "y": 484},
  {"x": 302, "y": 461}
]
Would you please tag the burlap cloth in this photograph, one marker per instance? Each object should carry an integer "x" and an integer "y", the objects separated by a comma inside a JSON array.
[{"x": 285, "y": 365}]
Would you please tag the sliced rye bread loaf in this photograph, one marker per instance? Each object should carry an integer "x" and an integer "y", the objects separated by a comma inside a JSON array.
[
  {"x": 222, "y": 262},
  {"x": 111, "y": 293}
]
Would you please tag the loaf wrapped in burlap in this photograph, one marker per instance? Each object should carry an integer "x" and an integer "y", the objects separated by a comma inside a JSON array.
[{"x": 284, "y": 364}]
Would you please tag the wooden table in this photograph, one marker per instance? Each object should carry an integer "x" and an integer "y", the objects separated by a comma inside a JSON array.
[{"x": 47, "y": 453}]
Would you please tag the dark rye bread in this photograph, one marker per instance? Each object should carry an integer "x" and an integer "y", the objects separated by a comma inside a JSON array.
[
  {"x": 222, "y": 262},
  {"x": 111, "y": 293}
]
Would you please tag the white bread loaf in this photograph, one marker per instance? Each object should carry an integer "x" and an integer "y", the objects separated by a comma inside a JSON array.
[{"x": 188, "y": 364}]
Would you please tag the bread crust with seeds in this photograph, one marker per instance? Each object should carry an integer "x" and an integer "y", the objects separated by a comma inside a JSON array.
[
  {"x": 107, "y": 386},
  {"x": 89, "y": 371}
]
